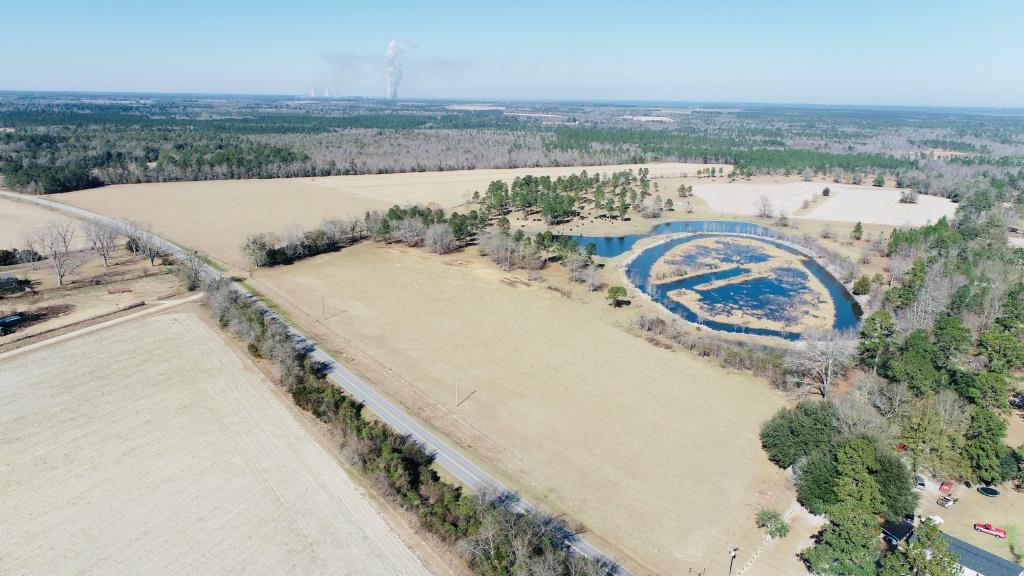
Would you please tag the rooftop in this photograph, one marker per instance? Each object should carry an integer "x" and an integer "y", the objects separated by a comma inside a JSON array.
[{"x": 982, "y": 562}]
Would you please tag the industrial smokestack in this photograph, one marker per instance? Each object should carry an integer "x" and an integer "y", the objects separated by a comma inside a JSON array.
[{"x": 393, "y": 67}]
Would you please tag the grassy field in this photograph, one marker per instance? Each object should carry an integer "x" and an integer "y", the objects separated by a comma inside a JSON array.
[
  {"x": 216, "y": 216},
  {"x": 846, "y": 203},
  {"x": 654, "y": 451},
  {"x": 153, "y": 447}
]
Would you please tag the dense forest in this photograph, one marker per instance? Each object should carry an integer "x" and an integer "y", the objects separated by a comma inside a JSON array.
[{"x": 56, "y": 142}]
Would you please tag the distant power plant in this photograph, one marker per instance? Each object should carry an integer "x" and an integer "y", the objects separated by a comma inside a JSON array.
[
  {"x": 325, "y": 93},
  {"x": 393, "y": 67}
]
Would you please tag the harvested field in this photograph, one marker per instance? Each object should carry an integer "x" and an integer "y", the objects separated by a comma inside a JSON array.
[
  {"x": 847, "y": 203},
  {"x": 18, "y": 218},
  {"x": 155, "y": 449},
  {"x": 640, "y": 444},
  {"x": 216, "y": 216}
]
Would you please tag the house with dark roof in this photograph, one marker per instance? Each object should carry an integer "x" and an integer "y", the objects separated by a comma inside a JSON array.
[
  {"x": 896, "y": 532},
  {"x": 978, "y": 562}
]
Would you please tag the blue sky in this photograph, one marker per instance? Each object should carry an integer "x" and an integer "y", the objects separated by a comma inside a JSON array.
[{"x": 910, "y": 52}]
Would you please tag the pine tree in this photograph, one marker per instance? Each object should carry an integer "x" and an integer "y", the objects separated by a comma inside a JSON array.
[
  {"x": 858, "y": 231},
  {"x": 876, "y": 339}
]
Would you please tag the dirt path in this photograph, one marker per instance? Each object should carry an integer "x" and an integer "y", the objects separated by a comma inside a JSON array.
[{"x": 163, "y": 305}]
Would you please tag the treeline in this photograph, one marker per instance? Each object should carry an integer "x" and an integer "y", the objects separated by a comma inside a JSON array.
[
  {"x": 267, "y": 249},
  {"x": 57, "y": 146},
  {"x": 46, "y": 179},
  {"x": 561, "y": 199},
  {"x": 62, "y": 159},
  {"x": 413, "y": 226},
  {"x": 756, "y": 155},
  {"x": 492, "y": 538},
  {"x": 554, "y": 199}
]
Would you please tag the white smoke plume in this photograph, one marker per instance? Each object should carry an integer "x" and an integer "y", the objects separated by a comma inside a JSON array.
[{"x": 393, "y": 66}]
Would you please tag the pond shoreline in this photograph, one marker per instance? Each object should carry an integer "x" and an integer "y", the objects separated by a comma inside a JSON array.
[{"x": 843, "y": 297}]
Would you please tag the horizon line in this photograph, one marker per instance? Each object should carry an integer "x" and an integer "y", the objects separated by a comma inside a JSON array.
[{"x": 491, "y": 99}]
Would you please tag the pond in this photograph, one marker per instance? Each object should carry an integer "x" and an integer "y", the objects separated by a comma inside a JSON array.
[
  {"x": 773, "y": 297},
  {"x": 612, "y": 246}
]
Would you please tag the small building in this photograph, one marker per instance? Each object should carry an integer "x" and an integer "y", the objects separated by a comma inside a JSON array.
[
  {"x": 978, "y": 562},
  {"x": 896, "y": 532}
]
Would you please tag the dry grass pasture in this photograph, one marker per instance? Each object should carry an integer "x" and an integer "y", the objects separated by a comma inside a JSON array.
[
  {"x": 155, "y": 448},
  {"x": 216, "y": 216},
  {"x": 846, "y": 203},
  {"x": 654, "y": 451}
]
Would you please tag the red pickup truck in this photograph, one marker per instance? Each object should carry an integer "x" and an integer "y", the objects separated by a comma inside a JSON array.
[{"x": 990, "y": 529}]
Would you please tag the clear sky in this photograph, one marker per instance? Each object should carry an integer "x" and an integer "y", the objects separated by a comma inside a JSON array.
[{"x": 915, "y": 52}]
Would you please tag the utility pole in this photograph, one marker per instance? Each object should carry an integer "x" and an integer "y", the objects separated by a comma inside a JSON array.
[{"x": 733, "y": 550}]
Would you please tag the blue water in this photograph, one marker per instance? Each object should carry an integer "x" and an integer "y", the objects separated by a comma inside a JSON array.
[
  {"x": 771, "y": 298},
  {"x": 612, "y": 246}
]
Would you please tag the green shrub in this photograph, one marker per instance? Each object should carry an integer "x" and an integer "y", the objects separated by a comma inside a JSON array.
[
  {"x": 772, "y": 523},
  {"x": 862, "y": 286}
]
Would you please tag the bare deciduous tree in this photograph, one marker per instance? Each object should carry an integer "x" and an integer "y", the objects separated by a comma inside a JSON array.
[
  {"x": 190, "y": 269},
  {"x": 854, "y": 417},
  {"x": 54, "y": 242},
  {"x": 891, "y": 400},
  {"x": 410, "y": 231},
  {"x": 439, "y": 238},
  {"x": 936, "y": 293},
  {"x": 783, "y": 219},
  {"x": 577, "y": 265},
  {"x": 592, "y": 280},
  {"x": 820, "y": 361},
  {"x": 763, "y": 205},
  {"x": 952, "y": 410},
  {"x": 146, "y": 244},
  {"x": 501, "y": 247},
  {"x": 102, "y": 239}
]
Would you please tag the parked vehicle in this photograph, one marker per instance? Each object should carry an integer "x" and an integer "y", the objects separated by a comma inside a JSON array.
[
  {"x": 919, "y": 482},
  {"x": 947, "y": 501},
  {"x": 990, "y": 529}
]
